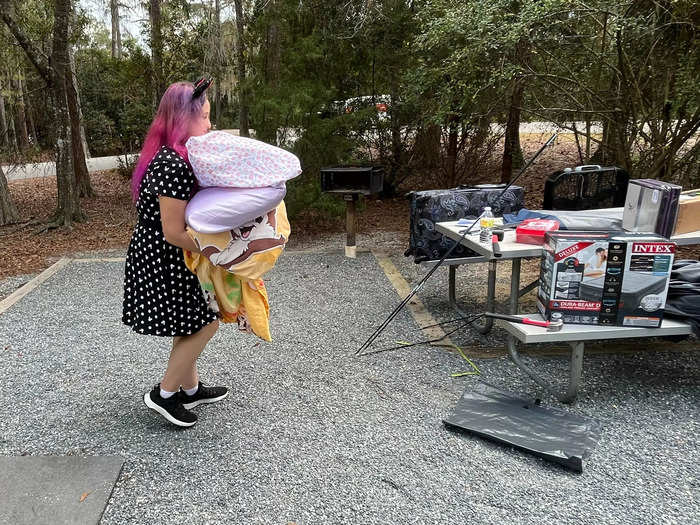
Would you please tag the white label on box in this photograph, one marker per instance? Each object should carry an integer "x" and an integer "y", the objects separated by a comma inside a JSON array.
[{"x": 651, "y": 322}]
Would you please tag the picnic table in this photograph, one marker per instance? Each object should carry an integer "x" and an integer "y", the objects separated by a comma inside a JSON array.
[{"x": 574, "y": 335}]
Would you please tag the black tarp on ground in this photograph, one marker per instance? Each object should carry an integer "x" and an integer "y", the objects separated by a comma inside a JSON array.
[{"x": 550, "y": 433}]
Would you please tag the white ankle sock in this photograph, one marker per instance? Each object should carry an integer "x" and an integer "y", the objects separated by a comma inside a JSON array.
[
  {"x": 165, "y": 394},
  {"x": 191, "y": 391}
]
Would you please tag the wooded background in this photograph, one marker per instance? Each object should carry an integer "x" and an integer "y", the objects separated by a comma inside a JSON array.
[{"x": 460, "y": 76}]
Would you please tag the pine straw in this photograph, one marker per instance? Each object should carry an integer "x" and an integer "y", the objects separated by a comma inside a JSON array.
[
  {"x": 110, "y": 215},
  {"x": 111, "y": 218}
]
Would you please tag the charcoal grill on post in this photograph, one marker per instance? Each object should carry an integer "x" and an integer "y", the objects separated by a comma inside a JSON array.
[{"x": 351, "y": 182}]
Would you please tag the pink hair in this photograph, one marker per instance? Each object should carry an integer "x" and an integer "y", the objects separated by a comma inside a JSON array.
[{"x": 170, "y": 128}]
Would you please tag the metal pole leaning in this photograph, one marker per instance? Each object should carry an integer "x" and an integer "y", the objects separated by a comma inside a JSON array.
[
  {"x": 405, "y": 301},
  {"x": 420, "y": 284}
]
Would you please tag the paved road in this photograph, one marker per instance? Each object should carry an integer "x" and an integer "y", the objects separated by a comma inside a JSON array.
[{"x": 48, "y": 169}]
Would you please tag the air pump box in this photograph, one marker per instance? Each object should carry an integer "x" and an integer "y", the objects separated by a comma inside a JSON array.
[{"x": 608, "y": 278}]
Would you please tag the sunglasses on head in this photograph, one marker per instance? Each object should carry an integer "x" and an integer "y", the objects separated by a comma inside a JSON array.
[{"x": 201, "y": 86}]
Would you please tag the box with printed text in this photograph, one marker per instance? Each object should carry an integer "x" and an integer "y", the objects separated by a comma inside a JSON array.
[{"x": 610, "y": 278}]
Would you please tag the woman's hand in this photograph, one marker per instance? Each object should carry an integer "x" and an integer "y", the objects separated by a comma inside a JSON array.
[{"x": 172, "y": 217}]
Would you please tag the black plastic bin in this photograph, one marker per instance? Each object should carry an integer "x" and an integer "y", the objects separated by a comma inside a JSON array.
[
  {"x": 585, "y": 188},
  {"x": 363, "y": 180}
]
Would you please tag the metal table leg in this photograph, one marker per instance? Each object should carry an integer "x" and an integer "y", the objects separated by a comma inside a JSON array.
[
  {"x": 514, "y": 287},
  {"x": 485, "y": 328},
  {"x": 576, "y": 371},
  {"x": 490, "y": 296},
  {"x": 529, "y": 287},
  {"x": 451, "y": 290},
  {"x": 574, "y": 374},
  {"x": 452, "y": 281}
]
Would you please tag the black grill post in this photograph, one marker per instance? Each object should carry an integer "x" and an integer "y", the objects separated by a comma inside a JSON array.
[
  {"x": 350, "y": 224},
  {"x": 351, "y": 182}
]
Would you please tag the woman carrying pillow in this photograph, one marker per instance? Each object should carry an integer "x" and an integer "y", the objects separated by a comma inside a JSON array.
[{"x": 161, "y": 296}]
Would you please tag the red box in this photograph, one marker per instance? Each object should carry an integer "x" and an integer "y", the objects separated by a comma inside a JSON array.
[{"x": 531, "y": 231}]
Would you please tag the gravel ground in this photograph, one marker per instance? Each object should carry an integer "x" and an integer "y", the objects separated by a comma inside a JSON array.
[
  {"x": 313, "y": 435},
  {"x": 9, "y": 285}
]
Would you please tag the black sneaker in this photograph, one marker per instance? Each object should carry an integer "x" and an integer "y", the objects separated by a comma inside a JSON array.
[
  {"x": 204, "y": 394},
  {"x": 170, "y": 408}
]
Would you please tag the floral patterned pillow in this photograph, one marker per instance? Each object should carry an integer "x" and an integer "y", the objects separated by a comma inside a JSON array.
[{"x": 222, "y": 159}]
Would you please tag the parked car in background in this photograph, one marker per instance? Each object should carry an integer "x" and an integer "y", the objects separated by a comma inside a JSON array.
[{"x": 381, "y": 103}]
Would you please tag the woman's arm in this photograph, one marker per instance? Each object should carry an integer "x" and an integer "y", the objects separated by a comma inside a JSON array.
[{"x": 172, "y": 216}]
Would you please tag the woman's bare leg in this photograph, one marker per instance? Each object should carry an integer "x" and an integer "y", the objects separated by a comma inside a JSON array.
[
  {"x": 182, "y": 365},
  {"x": 192, "y": 378}
]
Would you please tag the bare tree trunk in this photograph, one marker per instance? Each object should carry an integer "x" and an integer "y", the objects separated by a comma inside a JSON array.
[
  {"x": 274, "y": 51},
  {"x": 4, "y": 130},
  {"x": 29, "y": 113},
  {"x": 82, "y": 176},
  {"x": 390, "y": 190},
  {"x": 156, "y": 52},
  {"x": 8, "y": 210},
  {"x": 20, "y": 118},
  {"x": 242, "y": 88},
  {"x": 588, "y": 137},
  {"x": 12, "y": 133},
  {"x": 266, "y": 129},
  {"x": 596, "y": 83},
  {"x": 68, "y": 209},
  {"x": 452, "y": 138},
  {"x": 218, "y": 66},
  {"x": 611, "y": 150},
  {"x": 116, "y": 32},
  {"x": 74, "y": 82},
  {"x": 32, "y": 53},
  {"x": 427, "y": 145},
  {"x": 512, "y": 153}
]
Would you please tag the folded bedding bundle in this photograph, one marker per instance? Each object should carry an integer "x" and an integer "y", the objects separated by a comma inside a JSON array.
[{"x": 239, "y": 222}]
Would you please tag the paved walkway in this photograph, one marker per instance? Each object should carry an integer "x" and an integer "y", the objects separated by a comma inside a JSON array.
[
  {"x": 314, "y": 435},
  {"x": 48, "y": 169}
]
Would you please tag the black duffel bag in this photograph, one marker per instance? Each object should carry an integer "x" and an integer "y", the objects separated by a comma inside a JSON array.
[{"x": 432, "y": 206}]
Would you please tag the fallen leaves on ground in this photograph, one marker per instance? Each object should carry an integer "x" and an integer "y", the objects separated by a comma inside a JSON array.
[{"x": 110, "y": 213}]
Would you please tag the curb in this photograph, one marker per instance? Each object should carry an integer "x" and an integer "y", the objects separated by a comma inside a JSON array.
[{"x": 18, "y": 294}]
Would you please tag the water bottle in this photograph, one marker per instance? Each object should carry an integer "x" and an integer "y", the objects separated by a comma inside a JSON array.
[{"x": 486, "y": 222}]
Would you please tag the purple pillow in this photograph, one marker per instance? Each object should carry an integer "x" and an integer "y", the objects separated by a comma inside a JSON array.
[{"x": 215, "y": 210}]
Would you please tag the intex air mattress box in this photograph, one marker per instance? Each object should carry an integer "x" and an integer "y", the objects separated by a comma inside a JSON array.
[{"x": 612, "y": 278}]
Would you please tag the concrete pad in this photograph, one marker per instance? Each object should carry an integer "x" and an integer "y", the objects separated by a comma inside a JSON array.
[{"x": 56, "y": 490}]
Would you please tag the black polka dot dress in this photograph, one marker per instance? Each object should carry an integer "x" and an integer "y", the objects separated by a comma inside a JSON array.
[{"x": 161, "y": 296}]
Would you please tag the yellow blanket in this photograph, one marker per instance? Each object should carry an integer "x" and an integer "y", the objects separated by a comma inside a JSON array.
[{"x": 231, "y": 265}]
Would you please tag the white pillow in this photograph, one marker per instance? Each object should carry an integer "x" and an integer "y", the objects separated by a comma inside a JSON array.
[{"x": 214, "y": 210}]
